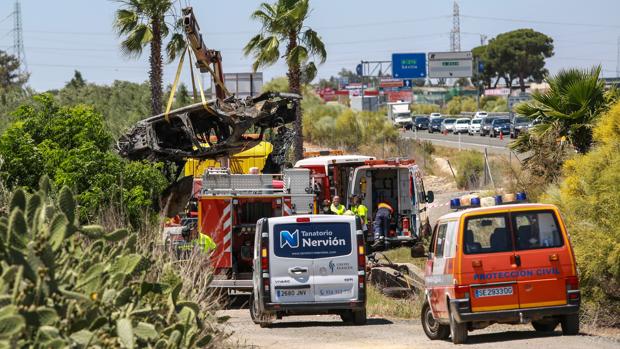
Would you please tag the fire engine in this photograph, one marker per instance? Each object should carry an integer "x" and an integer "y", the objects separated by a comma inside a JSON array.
[{"x": 229, "y": 205}]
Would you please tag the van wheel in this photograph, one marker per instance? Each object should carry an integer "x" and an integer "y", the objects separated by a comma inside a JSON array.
[
  {"x": 359, "y": 317},
  {"x": 347, "y": 316},
  {"x": 257, "y": 317},
  {"x": 570, "y": 325},
  {"x": 433, "y": 329},
  {"x": 458, "y": 331},
  {"x": 545, "y": 326}
]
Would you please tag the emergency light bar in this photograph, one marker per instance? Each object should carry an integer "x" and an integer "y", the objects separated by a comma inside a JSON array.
[{"x": 470, "y": 201}]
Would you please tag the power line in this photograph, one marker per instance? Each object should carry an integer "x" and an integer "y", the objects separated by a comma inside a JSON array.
[{"x": 541, "y": 22}]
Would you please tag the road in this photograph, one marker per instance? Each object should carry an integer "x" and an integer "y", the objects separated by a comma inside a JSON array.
[
  {"x": 464, "y": 141},
  {"x": 326, "y": 331}
]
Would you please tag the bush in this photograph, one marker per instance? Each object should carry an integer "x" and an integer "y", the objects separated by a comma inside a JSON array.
[
  {"x": 424, "y": 109},
  {"x": 73, "y": 147},
  {"x": 468, "y": 165},
  {"x": 588, "y": 197},
  {"x": 67, "y": 285}
]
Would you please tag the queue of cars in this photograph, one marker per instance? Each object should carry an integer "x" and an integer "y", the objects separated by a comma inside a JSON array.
[{"x": 482, "y": 124}]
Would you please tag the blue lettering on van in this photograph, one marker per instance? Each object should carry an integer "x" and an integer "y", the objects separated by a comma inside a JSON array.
[
  {"x": 312, "y": 240},
  {"x": 516, "y": 273}
]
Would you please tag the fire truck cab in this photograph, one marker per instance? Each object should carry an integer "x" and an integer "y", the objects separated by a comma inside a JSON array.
[
  {"x": 229, "y": 205},
  {"x": 398, "y": 183}
]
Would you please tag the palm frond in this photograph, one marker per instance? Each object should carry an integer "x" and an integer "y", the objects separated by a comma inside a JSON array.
[
  {"x": 252, "y": 45},
  {"x": 297, "y": 56},
  {"x": 315, "y": 45},
  {"x": 135, "y": 41},
  {"x": 125, "y": 21},
  {"x": 269, "y": 51},
  {"x": 175, "y": 46},
  {"x": 309, "y": 72}
]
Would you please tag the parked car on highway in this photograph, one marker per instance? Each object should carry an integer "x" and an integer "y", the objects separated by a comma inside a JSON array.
[
  {"x": 485, "y": 126},
  {"x": 435, "y": 116},
  {"x": 480, "y": 114},
  {"x": 474, "y": 126},
  {"x": 403, "y": 122},
  {"x": 505, "y": 264},
  {"x": 519, "y": 124},
  {"x": 307, "y": 265},
  {"x": 499, "y": 126},
  {"x": 435, "y": 125},
  {"x": 421, "y": 122},
  {"x": 448, "y": 125},
  {"x": 461, "y": 125}
]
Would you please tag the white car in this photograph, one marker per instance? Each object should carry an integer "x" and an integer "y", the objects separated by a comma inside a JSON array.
[
  {"x": 474, "y": 126},
  {"x": 308, "y": 265},
  {"x": 435, "y": 116},
  {"x": 461, "y": 125},
  {"x": 480, "y": 114}
]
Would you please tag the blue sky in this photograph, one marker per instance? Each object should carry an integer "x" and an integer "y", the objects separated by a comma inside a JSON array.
[{"x": 63, "y": 35}]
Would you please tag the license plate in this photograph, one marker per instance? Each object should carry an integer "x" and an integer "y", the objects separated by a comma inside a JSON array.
[
  {"x": 291, "y": 293},
  {"x": 495, "y": 291}
]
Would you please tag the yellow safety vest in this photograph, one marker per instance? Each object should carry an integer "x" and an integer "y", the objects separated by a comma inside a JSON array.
[
  {"x": 337, "y": 210},
  {"x": 206, "y": 243},
  {"x": 361, "y": 211}
]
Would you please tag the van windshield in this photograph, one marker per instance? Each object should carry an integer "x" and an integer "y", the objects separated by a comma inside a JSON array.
[{"x": 312, "y": 240}]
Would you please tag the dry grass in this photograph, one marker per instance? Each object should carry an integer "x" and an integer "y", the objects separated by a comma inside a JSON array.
[{"x": 380, "y": 305}]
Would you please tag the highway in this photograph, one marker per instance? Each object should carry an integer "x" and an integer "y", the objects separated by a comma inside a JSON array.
[{"x": 462, "y": 141}]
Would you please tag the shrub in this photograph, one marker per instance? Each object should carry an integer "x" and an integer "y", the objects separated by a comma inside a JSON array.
[
  {"x": 67, "y": 285},
  {"x": 468, "y": 165}
]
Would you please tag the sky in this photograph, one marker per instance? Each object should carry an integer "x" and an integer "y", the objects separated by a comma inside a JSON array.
[{"x": 61, "y": 36}]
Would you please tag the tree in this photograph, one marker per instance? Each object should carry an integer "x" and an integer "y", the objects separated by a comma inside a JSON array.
[
  {"x": 10, "y": 76},
  {"x": 573, "y": 103},
  {"x": 77, "y": 81},
  {"x": 142, "y": 23},
  {"x": 283, "y": 22},
  {"x": 488, "y": 73},
  {"x": 519, "y": 54}
]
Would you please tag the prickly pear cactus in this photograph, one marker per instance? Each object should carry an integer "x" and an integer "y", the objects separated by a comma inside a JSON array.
[{"x": 67, "y": 285}]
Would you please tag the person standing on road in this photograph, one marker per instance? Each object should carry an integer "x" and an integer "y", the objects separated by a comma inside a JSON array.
[
  {"x": 381, "y": 223},
  {"x": 337, "y": 207}
]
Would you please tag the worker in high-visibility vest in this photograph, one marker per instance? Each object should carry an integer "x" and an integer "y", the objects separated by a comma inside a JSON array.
[
  {"x": 381, "y": 223},
  {"x": 206, "y": 243},
  {"x": 359, "y": 209},
  {"x": 337, "y": 207}
]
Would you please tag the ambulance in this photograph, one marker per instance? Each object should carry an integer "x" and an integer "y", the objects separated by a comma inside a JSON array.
[{"x": 490, "y": 262}]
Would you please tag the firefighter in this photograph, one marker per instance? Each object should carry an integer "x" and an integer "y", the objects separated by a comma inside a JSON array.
[
  {"x": 337, "y": 207},
  {"x": 381, "y": 223}
]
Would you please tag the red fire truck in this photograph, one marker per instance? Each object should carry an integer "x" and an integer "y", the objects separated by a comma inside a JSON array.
[{"x": 229, "y": 205}]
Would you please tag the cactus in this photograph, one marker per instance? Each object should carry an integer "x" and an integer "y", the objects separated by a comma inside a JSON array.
[{"x": 67, "y": 285}]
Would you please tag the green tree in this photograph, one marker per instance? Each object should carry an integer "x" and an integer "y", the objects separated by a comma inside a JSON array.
[
  {"x": 575, "y": 100},
  {"x": 10, "y": 76},
  {"x": 77, "y": 81},
  {"x": 519, "y": 54},
  {"x": 283, "y": 22},
  {"x": 146, "y": 22},
  {"x": 489, "y": 73}
]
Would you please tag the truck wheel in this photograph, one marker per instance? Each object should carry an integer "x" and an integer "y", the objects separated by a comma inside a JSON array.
[
  {"x": 359, "y": 317},
  {"x": 570, "y": 325},
  {"x": 458, "y": 331},
  {"x": 545, "y": 326},
  {"x": 433, "y": 329}
]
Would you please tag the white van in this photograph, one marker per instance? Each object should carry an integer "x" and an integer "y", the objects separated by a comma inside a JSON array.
[{"x": 309, "y": 264}]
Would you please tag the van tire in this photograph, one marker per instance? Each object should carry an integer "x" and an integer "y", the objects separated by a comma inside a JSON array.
[
  {"x": 458, "y": 331},
  {"x": 257, "y": 317},
  {"x": 433, "y": 329},
  {"x": 570, "y": 324},
  {"x": 359, "y": 317},
  {"x": 545, "y": 326},
  {"x": 347, "y": 316}
]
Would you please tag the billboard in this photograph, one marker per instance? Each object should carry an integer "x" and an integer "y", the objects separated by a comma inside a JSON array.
[
  {"x": 243, "y": 84},
  {"x": 408, "y": 65},
  {"x": 450, "y": 64}
]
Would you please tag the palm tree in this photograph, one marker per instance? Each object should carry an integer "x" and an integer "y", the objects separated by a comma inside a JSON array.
[
  {"x": 283, "y": 22},
  {"x": 149, "y": 22},
  {"x": 571, "y": 106}
]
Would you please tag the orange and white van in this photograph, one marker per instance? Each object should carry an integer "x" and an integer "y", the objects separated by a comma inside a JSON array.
[{"x": 500, "y": 264}]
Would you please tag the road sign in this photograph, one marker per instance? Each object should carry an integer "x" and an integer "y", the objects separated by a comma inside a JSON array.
[
  {"x": 407, "y": 83},
  {"x": 244, "y": 84},
  {"x": 391, "y": 83},
  {"x": 359, "y": 70},
  {"x": 450, "y": 64},
  {"x": 408, "y": 65}
]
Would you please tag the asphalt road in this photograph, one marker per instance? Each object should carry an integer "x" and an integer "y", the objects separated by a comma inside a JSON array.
[
  {"x": 326, "y": 331},
  {"x": 463, "y": 141}
]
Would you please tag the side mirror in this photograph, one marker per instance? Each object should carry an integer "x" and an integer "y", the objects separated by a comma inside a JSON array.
[
  {"x": 430, "y": 196},
  {"x": 417, "y": 251}
]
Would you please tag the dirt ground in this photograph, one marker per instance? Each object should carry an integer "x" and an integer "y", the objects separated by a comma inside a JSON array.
[{"x": 326, "y": 331}]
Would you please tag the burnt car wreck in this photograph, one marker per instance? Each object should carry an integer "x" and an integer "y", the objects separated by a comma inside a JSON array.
[{"x": 219, "y": 128}]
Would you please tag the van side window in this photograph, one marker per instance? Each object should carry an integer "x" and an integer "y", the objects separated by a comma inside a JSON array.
[
  {"x": 486, "y": 234},
  {"x": 441, "y": 240},
  {"x": 536, "y": 230}
]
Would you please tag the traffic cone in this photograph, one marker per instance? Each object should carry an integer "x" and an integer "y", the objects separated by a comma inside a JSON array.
[{"x": 501, "y": 135}]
